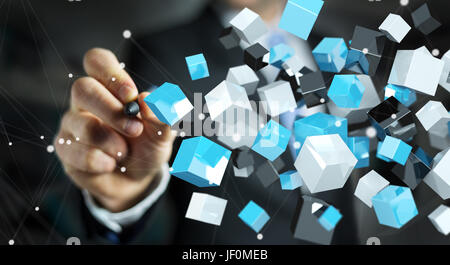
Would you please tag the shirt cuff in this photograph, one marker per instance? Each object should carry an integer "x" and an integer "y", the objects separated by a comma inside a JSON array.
[{"x": 116, "y": 221}]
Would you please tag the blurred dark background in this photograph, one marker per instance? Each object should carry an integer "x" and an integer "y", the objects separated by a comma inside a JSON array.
[{"x": 42, "y": 42}]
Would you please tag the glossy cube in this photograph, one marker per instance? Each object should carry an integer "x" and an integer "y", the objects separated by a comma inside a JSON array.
[
  {"x": 299, "y": 17},
  {"x": 313, "y": 89},
  {"x": 168, "y": 103},
  {"x": 394, "y": 27},
  {"x": 197, "y": 66},
  {"x": 206, "y": 208},
  {"x": 277, "y": 97},
  {"x": 254, "y": 56},
  {"x": 279, "y": 54},
  {"x": 290, "y": 180},
  {"x": 369, "y": 185},
  {"x": 403, "y": 94},
  {"x": 394, "y": 149},
  {"x": 331, "y": 54},
  {"x": 272, "y": 140},
  {"x": 248, "y": 25},
  {"x": 330, "y": 218},
  {"x": 320, "y": 124},
  {"x": 346, "y": 91},
  {"x": 244, "y": 76},
  {"x": 432, "y": 113},
  {"x": 440, "y": 218},
  {"x": 254, "y": 216},
  {"x": 423, "y": 20},
  {"x": 201, "y": 162},
  {"x": 359, "y": 146}
]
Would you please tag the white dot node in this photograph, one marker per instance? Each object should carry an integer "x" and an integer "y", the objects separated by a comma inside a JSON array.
[
  {"x": 36, "y": 209},
  {"x": 182, "y": 134},
  {"x": 42, "y": 137},
  {"x": 159, "y": 133},
  {"x": 122, "y": 65},
  {"x": 10, "y": 143},
  {"x": 365, "y": 51},
  {"x": 322, "y": 100},
  {"x": 404, "y": 2},
  {"x": 259, "y": 236},
  {"x": 70, "y": 75},
  {"x": 123, "y": 169},
  {"x": 68, "y": 142},
  {"x": 393, "y": 116},
  {"x": 119, "y": 154},
  {"x": 338, "y": 123},
  {"x": 126, "y": 34},
  {"x": 297, "y": 145},
  {"x": 371, "y": 132},
  {"x": 50, "y": 148},
  {"x": 61, "y": 141},
  {"x": 435, "y": 52},
  {"x": 261, "y": 125},
  {"x": 113, "y": 79},
  {"x": 11, "y": 242},
  {"x": 236, "y": 137},
  {"x": 77, "y": 139},
  {"x": 201, "y": 116}
]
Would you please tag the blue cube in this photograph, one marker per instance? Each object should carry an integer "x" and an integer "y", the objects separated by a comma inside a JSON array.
[
  {"x": 290, "y": 180},
  {"x": 394, "y": 206},
  {"x": 357, "y": 61},
  {"x": 346, "y": 91},
  {"x": 279, "y": 54},
  {"x": 299, "y": 17},
  {"x": 331, "y": 54},
  {"x": 200, "y": 162},
  {"x": 271, "y": 140},
  {"x": 378, "y": 155},
  {"x": 395, "y": 149},
  {"x": 403, "y": 94},
  {"x": 360, "y": 148},
  {"x": 424, "y": 157},
  {"x": 197, "y": 66},
  {"x": 330, "y": 218},
  {"x": 320, "y": 124},
  {"x": 254, "y": 216},
  {"x": 168, "y": 103}
]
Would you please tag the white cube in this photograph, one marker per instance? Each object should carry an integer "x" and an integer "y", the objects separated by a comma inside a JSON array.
[
  {"x": 394, "y": 27},
  {"x": 277, "y": 98},
  {"x": 225, "y": 96},
  {"x": 438, "y": 179},
  {"x": 441, "y": 219},
  {"x": 244, "y": 76},
  {"x": 369, "y": 185},
  {"x": 206, "y": 208},
  {"x": 439, "y": 135},
  {"x": 416, "y": 69},
  {"x": 445, "y": 76},
  {"x": 431, "y": 113},
  {"x": 248, "y": 25}
]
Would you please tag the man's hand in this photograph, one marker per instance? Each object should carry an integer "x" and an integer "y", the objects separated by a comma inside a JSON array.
[{"x": 108, "y": 140}]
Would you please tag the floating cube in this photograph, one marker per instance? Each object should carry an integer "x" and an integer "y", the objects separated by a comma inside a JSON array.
[
  {"x": 254, "y": 56},
  {"x": 201, "y": 162},
  {"x": 330, "y": 218},
  {"x": 197, "y": 66},
  {"x": 390, "y": 117},
  {"x": 240, "y": 133},
  {"x": 320, "y": 124},
  {"x": 206, "y": 208},
  {"x": 244, "y": 76},
  {"x": 432, "y": 113},
  {"x": 331, "y": 54},
  {"x": 369, "y": 185},
  {"x": 243, "y": 157},
  {"x": 423, "y": 20},
  {"x": 440, "y": 218},
  {"x": 243, "y": 172},
  {"x": 325, "y": 162},
  {"x": 394, "y": 206},
  {"x": 229, "y": 38},
  {"x": 290, "y": 180},
  {"x": 226, "y": 96},
  {"x": 369, "y": 100},
  {"x": 279, "y": 54},
  {"x": 369, "y": 44},
  {"x": 439, "y": 136},
  {"x": 168, "y": 103},
  {"x": 305, "y": 224},
  {"x": 360, "y": 148},
  {"x": 272, "y": 140},
  {"x": 394, "y": 149},
  {"x": 416, "y": 69},
  {"x": 266, "y": 173},
  {"x": 445, "y": 76},
  {"x": 346, "y": 91},
  {"x": 277, "y": 98},
  {"x": 299, "y": 17},
  {"x": 439, "y": 178},
  {"x": 254, "y": 216},
  {"x": 403, "y": 94},
  {"x": 313, "y": 89},
  {"x": 394, "y": 27},
  {"x": 248, "y": 25},
  {"x": 414, "y": 171}
]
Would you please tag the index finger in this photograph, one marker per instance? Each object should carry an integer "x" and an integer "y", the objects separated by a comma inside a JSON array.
[{"x": 103, "y": 65}]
